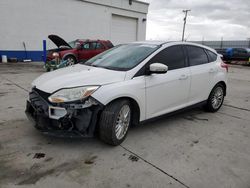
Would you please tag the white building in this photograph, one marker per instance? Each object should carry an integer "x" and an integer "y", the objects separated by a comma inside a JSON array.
[{"x": 26, "y": 23}]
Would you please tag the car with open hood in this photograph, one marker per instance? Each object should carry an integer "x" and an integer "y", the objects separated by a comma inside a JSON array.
[
  {"x": 77, "y": 50},
  {"x": 125, "y": 86}
]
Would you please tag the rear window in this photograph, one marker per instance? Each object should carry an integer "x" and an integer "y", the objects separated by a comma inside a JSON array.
[
  {"x": 197, "y": 55},
  {"x": 211, "y": 56},
  {"x": 99, "y": 45}
]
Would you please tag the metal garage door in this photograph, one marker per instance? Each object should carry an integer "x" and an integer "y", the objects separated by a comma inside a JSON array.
[{"x": 123, "y": 29}]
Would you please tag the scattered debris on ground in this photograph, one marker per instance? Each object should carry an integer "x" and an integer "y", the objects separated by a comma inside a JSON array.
[
  {"x": 39, "y": 155},
  {"x": 195, "y": 141},
  {"x": 90, "y": 160},
  {"x": 133, "y": 158}
]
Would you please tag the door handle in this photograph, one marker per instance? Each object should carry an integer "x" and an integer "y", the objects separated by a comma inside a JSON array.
[
  {"x": 183, "y": 77},
  {"x": 212, "y": 70}
]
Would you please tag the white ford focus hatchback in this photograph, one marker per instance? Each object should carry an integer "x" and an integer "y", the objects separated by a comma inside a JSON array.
[{"x": 126, "y": 85}]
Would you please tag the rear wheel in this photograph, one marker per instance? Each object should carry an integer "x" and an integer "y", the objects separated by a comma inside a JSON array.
[
  {"x": 114, "y": 122},
  {"x": 216, "y": 98},
  {"x": 71, "y": 60}
]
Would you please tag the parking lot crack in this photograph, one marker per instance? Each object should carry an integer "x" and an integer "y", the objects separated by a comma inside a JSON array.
[
  {"x": 156, "y": 167},
  {"x": 239, "y": 108},
  {"x": 16, "y": 84},
  {"x": 237, "y": 117}
]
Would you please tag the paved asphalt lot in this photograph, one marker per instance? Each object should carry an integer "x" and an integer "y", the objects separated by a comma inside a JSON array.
[{"x": 192, "y": 149}]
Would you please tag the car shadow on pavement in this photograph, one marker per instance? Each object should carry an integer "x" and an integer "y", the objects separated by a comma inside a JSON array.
[{"x": 166, "y": 120}]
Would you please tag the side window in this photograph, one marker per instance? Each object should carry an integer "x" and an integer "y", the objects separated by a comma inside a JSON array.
[
  {"x": 99, "y": 46},
  {"x": 197, "y": 55},
  {"x": 89, "y": 46},
  {"x": 85, "y": 46},
  {"x": 92, "y": 45},
  {"x": 211, "y": 56},
  {"x": 173, "y": 57}
]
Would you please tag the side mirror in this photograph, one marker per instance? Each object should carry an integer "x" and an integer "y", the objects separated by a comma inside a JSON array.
[{"x": 158, "y": 68}]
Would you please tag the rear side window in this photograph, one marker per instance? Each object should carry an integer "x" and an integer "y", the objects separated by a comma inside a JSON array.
[
  {"x": 89, "y": 46},
  {"x": 92, "y": 45},
  {"x": 197, "y": 55},
  {"x": 211, "y": 56},
  {"x": 99, "y": 46},
  {"x": 173, "y": 57}
]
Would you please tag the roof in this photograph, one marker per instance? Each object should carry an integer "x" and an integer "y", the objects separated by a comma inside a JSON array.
[
  {"x": 90, "y": 40},
  {"x": 154, "y": 42}
]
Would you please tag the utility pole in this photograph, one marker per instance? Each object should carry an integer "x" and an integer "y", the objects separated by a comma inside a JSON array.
[
  {"x": 202, "y": 41},
  {"x": 221, "y": 43},
  {"x": 185, "y": 21}
]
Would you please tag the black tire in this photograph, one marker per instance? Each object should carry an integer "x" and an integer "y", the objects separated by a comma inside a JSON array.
[
  {"x": 108, "y": 121},
  {"x": 209, "y": 106},
  {"x": 71, "y": 60}
]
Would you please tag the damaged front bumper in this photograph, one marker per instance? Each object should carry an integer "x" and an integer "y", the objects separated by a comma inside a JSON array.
[{"x": 77, "y": 119}]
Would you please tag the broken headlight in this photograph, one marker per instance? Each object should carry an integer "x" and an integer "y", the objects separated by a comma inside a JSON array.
[{"x": 72, "y": 94}]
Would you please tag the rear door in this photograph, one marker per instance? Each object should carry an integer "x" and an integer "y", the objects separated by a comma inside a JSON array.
[
  {"x": 87, "y": 51},
  {"x": 202, "y": 73},
  {"x": 168, "y": 92},
  {"x": 99, "y": 48}
]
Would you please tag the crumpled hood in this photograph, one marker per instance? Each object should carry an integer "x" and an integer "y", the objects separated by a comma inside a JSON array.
[{"x": 76, "y": 75}]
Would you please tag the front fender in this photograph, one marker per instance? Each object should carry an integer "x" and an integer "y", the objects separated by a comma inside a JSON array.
[
  {"x": 134, "y": 89},
  {"x": 71, "y": 54}
]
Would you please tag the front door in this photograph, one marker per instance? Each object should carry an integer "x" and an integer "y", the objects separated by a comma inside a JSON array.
[{"x": 168, "y": 92}]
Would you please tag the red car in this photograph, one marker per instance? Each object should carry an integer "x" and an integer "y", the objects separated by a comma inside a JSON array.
[{"x": 79, "y": 50}]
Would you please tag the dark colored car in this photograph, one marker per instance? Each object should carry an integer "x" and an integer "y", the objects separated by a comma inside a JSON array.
[
  {"x": 79, "y": 50},
  {"x": 235, "y": 54},
  {"x": 240, "y": 54}
]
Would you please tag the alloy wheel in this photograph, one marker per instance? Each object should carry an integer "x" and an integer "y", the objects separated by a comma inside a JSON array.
[
  {"x": 70, "y": 61},
  {"x": 122, "y": 122},
  {"x": 217, "y": 97}
]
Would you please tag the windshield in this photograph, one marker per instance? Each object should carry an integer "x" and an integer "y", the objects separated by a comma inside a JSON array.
[
  {"x": 72, "y": 44},
  {"x": 123, "y": 57}
]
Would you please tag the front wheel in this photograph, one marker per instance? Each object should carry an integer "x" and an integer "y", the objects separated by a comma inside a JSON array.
[
  {"x": 70, "y": 60},
  {"x": 215, "y": 99},
  {"x": 114, "y": 122}
]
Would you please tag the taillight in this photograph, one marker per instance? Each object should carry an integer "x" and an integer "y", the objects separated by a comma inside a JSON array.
[{"x": 224, "y": 65}]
